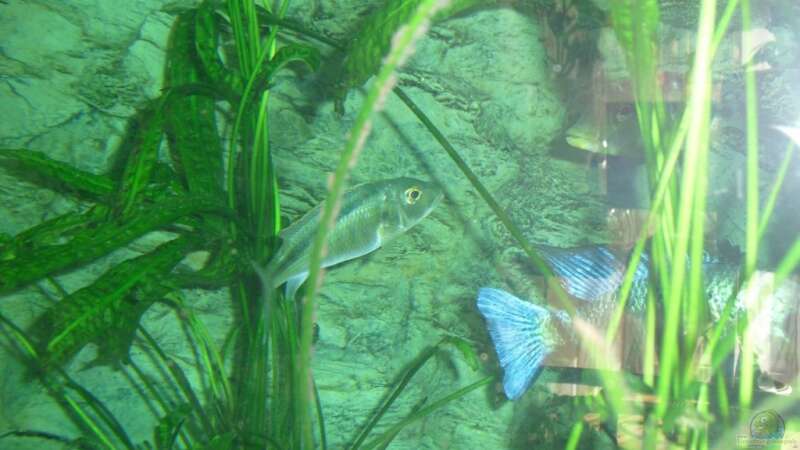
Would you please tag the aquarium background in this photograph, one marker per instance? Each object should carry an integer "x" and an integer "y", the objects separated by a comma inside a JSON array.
[{"x": 76, "y": 73}]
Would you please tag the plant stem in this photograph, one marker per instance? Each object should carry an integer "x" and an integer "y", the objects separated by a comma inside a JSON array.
[
  {"x": 402, "y": 48},
  {"x": 751, "y": 236}
]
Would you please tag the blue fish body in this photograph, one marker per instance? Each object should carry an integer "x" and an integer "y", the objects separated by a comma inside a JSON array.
[{"x": 522, "y": 332}]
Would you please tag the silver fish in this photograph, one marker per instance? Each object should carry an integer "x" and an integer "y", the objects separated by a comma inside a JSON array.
[{"x": 371, "y": 214}]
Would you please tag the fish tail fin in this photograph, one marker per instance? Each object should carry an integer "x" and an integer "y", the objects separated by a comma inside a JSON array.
[{"x": 520, "y": 335}]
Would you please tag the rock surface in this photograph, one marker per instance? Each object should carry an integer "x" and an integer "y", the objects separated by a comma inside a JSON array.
[{"x": 73, "y": 73}]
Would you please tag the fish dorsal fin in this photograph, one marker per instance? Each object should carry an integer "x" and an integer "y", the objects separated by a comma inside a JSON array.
[{"x": 589, "y": 273}]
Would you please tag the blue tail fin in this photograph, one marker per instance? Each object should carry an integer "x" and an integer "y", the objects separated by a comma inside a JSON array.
[
  {"x": 518, "y": 331},
  {"x": 590, "y": 272}
]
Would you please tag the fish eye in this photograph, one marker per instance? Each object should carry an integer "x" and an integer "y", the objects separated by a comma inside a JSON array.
[{"x": 412, "y": 195}]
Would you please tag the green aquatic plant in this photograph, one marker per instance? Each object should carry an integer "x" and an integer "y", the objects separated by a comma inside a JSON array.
[
  {"x": 685, "y": 403},
  {"x": 363, "y": 57},
  {"x": 218, "y": 194}
]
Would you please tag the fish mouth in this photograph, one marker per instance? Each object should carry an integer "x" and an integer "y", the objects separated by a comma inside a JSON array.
[{"x": 436, "y": 200}]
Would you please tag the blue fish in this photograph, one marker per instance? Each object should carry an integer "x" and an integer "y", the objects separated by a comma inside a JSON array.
[
  {"x": 524, "y": 334},
  {"x": 521, "y": 336}
]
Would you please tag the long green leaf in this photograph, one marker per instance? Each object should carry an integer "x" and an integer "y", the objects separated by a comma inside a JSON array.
[
  {"x": 207, "y": 46},
  {"x": 57, "y": 174},
  {"x": 190, "y": 121},
  {"x": 94, "y": 241},
  {"x": 402, "y": 47},
  {"x": 287, "y": 54},
  {"x": 166, "y": 432},
  {"x": 374, "y": 38},
  {"x": 49, "y": 232},
  {"x": 398, "y": 389},
  {"x": 142, "y": 159},
  {"x": 101, "y": 311},
  {"x": 752, "y": 202},
  {"x": 391, "y": 432}
]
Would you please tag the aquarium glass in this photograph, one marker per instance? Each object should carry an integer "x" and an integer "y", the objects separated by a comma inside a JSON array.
[{"x": 399, "y": 224}]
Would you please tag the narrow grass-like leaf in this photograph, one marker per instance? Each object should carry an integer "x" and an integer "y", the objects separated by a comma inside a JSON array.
[
  {"x": 192, "y": 430},
  {"x": 686, "y": 234},
  {"x": 402, "y": 48},
  {"x": 466, "y": 350},
  {"x": 98, "y": 312},
  {"x": 487, "y": 197},
  {"x": 168, "y": 427},
  {"x": 504, "y": 218},
  {"x": 290, "y": 53},
  {"x": 57, "y": 387},
  {"x": 270, "y": 19},
  {"x": 391, "y": 437},
  {"x": 79, "y": 443},
  {"x": 398, "y": 389},
  {"x": 574, "y": 435},
  {"x": 94, "y": 241},
  {"x": 178, "y": 379},
  {"x": 752, "y": 201},
  {"x": 99, "y": 408},
  {"x": 772, "y": 199},
  {"x": 57, "y": 174},
  {"x": 323, "y": 438},
  {"x": 463, "y": 347},
  {"x": 428, "y": 410},
  {"x": 789, "y": 263},
  {"x": 210, "y": 360}
]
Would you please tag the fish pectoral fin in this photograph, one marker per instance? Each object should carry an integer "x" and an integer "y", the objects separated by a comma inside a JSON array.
[
  {"x": 262, "y": 274},
  {"x": 293, "y": 283},
  {"x": 519, "y": 333}
]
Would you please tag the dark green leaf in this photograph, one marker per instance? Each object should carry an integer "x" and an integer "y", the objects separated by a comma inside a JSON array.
[
  {"x": 50, "y": 232},
  {"x": 223, "y": 264},
  {"x": 90, "y": 243},
  {"x": 142, "y": 159},
  {"x": 190, "y": 121},
  {"x": 636, "y": 26},
  {"x": 374, "y": 38},
  {"x": 99, "y": 311},
  {"x": 222, "y": 441},
  {"x": 285, "y": 55},
  {"x": 207, "y": 44},
  {"x": 57, "y": 174},
  {"x": 169, "y": 426},
  {"x": 466, "y": 350}
]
